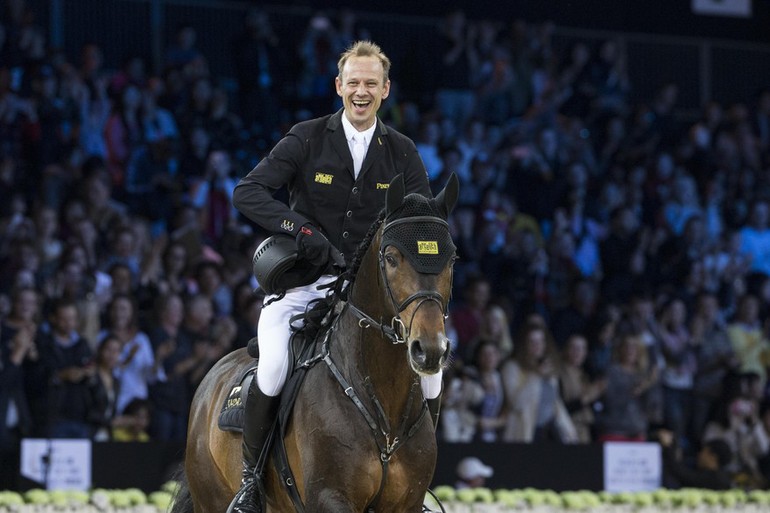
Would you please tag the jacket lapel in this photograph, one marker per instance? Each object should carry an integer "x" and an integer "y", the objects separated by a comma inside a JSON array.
[
  {"x": 338, "y": 141},
  {"x": 377, "y": 147}
]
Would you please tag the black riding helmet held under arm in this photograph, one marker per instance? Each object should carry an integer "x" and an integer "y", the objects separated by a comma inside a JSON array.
[{"x": 277, "y": 266}]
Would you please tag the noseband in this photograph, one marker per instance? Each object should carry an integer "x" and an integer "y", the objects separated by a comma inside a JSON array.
[{"x": 398, "y": 332}]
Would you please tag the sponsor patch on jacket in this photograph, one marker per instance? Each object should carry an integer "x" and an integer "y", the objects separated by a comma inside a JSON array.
[
  {"x": 382, "y": 185},
  {"x": 323, "y": 178},
  {"x": 287, "y": 225},
  {"x": 427, "y": 247}
]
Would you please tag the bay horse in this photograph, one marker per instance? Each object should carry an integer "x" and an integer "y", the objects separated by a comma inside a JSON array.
[{"x": 359, "y": 437}]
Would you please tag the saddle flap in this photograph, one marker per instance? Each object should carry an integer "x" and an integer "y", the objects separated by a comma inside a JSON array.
[{"x": 233, "y": 410}]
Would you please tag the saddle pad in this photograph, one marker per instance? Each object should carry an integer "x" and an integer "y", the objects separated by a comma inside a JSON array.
[{"x": 233, "y": 410}]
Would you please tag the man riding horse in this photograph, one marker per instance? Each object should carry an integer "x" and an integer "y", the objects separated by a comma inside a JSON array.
[{"x": 337, "y": 169}]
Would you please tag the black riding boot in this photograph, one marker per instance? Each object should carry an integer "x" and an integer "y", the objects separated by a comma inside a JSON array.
[
  {"x": 434, "y": 406},
  {"x": 259, "y": 415}
]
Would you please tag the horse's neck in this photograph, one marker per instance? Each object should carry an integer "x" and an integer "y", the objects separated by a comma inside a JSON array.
[{"x": 372, "y": 356}]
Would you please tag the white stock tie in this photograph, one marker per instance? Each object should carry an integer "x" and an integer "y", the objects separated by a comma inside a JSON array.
[{"x": 359, "y": 150}]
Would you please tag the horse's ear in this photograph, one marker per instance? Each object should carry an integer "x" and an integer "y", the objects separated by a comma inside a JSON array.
[
  {"x": 395, "y": 194},
  {"x": 447, "y": 198}
]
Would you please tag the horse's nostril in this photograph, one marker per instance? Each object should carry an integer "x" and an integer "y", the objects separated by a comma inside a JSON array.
[{"x": 417, "y": 352}]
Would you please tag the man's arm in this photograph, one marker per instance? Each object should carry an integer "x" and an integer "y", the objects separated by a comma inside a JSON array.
[{"x": 253, "y": 196}]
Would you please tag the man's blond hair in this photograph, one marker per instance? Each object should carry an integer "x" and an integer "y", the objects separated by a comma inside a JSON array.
[{"x": 365, "y": 49}]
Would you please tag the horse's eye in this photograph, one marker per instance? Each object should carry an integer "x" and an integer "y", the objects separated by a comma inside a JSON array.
[{"x": 390, "y": 260}]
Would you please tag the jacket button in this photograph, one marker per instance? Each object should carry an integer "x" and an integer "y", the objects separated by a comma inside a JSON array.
[
  {"x": 355, "y": 190},
  {"x": 345, "y": 235},
  {"x": 349, "y": 213}
]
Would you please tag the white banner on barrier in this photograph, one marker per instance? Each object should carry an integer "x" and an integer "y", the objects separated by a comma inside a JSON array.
[
  {"x": 632, "y": 466},
  {"x": 57, "y": 464},
  {"x": 733, "y": 8}
]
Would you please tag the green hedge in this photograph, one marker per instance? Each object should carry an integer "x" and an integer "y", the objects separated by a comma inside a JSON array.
[
  {"x": 97, "y": 500},
  {"x": 473, "y": 500},
  {"x": 688, "y": 499}
]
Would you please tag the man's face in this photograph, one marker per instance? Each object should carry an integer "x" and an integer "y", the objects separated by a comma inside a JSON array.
[
  {"x": 65, "y": 320},
  {"x": 362, "y": 90}
]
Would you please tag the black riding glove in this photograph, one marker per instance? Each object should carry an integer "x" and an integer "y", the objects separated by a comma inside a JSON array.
[{"x": 316, "y": 249}]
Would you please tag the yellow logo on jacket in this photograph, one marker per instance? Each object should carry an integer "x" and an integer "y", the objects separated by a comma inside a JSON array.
[
  {"x": 382, "y": 185},
  {"x": 323, "y": 178},
  {"x": 427, "y": 247}
]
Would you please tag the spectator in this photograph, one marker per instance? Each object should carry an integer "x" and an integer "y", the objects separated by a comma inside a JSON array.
[
  {"x": 736, "y": 422},
  {"x": 623, "y": 255},
  {"x": 132, "y": 71},
  {"x": 577, "y": 391},
  {"x": 715, "y": 359},
  {"x": 428, "y": 146},
  {"x": 601, "y": 334},
  {"x": 152, "y": 188},
  {"x": 137, "y": 367},
  {"x": 124, "y": 250},
  {"x": 458, "y": 421},
  {"x": 485, "y": 371},
  {"x": 578, "y": 315},
  {"x": 194, "y": 155},
  {"x": 764, "y": 459},
  {"x": 208, "y": 342},
  {"x": 454, "y": 95},
  {"x": 210, "y": 283},
  {"x": 472, "y": 473},
  {"x": 106, "y": 387},
  {"x": 68, "y": 361},
  {"x": 223, "y": 124},
  {"x": 710, "y": 464},
  {"x": 17, "y": 347},
  {"x": 135, "y": 422},
  {"x": 534, "y": 410},
  {"x": 259, "y": 67},
  {"x": 246, "y": 313},
  {"x": 94, "y": 113},
  {"x": 748, "y": 339},
  {"x": 679, "y": 371},
  {"x": 171, "y": 396},
  {"x": 623, "y": 415},
  {"x": 214, "y": 194},
  {"x": 755, "y": 237},
  {"x": 182, "y": 52},
  {"x": 166, "y": 270},
  {"x": 49, "y": 245},
  {"x": 123, "y": 134},
  {"x": 318, "y": 54},
  {"x": 157, "y": 122},
  {"x": 468, "y": 317},
  {"x": 640, "y": 319}
]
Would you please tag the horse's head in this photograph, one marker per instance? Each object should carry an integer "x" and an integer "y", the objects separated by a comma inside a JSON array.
[{"x": 416, "y": 255}]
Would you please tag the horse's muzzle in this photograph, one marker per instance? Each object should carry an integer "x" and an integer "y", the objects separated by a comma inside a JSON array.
[{"x": 428, "y": 356}]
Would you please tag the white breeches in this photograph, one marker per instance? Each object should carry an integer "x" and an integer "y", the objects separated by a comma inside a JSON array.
[{"x": 273, "y": 334}]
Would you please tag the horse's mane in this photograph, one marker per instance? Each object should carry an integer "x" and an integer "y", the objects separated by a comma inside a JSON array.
[{"x": 363, "y": 247}]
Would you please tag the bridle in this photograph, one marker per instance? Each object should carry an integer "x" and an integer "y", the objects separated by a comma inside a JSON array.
[{"x": 397, "y": 331}]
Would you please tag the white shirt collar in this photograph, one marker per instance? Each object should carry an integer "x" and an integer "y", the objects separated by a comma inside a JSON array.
[{"x": 350, "y": 130}]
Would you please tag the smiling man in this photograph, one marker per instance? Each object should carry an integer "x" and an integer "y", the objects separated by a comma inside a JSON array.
[{"x": 337, "y": 169}]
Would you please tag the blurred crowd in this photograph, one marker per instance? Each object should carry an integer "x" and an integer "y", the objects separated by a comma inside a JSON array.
[{"x": 614, "y": 272}]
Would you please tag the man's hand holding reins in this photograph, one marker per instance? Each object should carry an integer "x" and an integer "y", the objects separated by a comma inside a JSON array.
[{"x": 314, "y": 247}]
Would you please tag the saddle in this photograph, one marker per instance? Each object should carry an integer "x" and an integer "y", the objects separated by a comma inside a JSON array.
[{"x": 302, "y": 347}]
